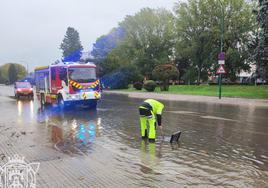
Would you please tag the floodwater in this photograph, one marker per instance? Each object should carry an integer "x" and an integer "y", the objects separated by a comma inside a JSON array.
[{"x": 220, "y": 145}]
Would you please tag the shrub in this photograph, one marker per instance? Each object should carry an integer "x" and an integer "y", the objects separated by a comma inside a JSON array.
[
  {"x": 137, "y": 77},
  {"x": 149, "y": 85},
  {"x": 164, "y": 73},
  {"x": 138, "y": 85}
]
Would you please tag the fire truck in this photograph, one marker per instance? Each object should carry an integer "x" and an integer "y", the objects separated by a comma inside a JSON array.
[{"x": 67, "y": 84}]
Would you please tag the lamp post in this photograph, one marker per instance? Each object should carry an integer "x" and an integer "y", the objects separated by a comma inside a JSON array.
[{"x": 221, "y": 55}]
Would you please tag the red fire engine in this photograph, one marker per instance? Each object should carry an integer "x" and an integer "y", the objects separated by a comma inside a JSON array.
[{"x": 68, "y": 83}]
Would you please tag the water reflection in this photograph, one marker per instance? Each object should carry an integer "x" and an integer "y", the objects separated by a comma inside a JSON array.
[
  {"x": 25, "y": 109},
  {"x": 71, "y": 131},
  {"x": 150, "y": 156},
  {"x": 19, "y": 105},
  {"x": 221, "y": 145}
]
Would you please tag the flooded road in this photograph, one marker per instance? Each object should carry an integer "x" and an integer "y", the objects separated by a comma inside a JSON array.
[{"x": 220, "y": 146}]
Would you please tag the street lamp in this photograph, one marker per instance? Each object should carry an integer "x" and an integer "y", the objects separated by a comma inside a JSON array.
[{"x": 221, "y": 55}]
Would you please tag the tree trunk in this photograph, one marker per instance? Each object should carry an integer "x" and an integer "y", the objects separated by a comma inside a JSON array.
[
  {"x": 179, "y": 80},
  {"x": 162, "y": 87},
  {"x": 166, "y": 85},
  {"x": 198, "y": 76}
]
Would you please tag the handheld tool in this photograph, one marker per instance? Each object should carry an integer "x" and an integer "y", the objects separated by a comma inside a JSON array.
[{"x": 175, "y": 137}]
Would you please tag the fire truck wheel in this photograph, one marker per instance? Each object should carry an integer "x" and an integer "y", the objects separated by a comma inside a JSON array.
[
  {"x": 60, "y": 102},
  {"x": 42, "y": 100}
]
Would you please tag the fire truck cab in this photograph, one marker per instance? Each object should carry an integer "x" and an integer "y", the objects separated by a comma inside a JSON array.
[{"x": 68, "y": 83}]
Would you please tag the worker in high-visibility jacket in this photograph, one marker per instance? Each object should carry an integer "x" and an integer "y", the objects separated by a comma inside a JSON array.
[{"x": 150, "y": 111}]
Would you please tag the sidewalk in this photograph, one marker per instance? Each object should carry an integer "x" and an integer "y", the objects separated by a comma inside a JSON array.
[{"x": 193, "y": 98}]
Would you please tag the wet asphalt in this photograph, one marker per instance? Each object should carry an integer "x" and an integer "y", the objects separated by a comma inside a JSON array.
[{"x": 220, "y": 146}]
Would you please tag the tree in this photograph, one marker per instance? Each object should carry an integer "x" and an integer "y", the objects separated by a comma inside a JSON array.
[
  {"x": 182, "y": 65},
  {"x": 198, "y": 34},
  {"x": 71, "y": 45},
  {"x": 12, "y": 73},
  {"x": 149, "y": 39},
  {"x": 120, "y": 78},
  {"x": 115, "y": 60},
  {"x": 240, "y": 23},
  {"x": 1, "y": 78},
  {"x": 165, "y": 73},
  {"x": 104, "y": 45},
  {"x": 4, "y": 69},
  {"x": 261, "y": 51},
  {"x": 194, "y": 34}
]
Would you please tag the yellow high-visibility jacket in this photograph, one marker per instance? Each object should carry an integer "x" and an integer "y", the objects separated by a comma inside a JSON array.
[
  {"x": 157, "y": 107},
  {"x": 152, "y": 106}
]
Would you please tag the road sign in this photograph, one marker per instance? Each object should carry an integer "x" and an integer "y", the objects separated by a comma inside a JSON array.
[
  {"x": 221, "y": 56},
  {"x": 221, "y": 70},
  {"x": 221, "y": 62}
]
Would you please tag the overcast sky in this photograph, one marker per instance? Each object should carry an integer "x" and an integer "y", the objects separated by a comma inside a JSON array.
[{"x": 31, "y": 30}]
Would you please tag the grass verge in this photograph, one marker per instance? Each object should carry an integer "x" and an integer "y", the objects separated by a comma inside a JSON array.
[{"x": 255, "y": 92}]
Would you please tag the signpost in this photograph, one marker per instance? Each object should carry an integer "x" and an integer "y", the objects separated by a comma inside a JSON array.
[
  {"x": 221, "y": 56},
  {"x": 221, "y": 70}
]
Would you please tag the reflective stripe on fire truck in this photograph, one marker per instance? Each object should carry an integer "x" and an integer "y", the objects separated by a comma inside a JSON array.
[
  {"x": 96, "y": 95},
  {"x": 75, "y": 84},
  {"x": 84, "y": 95},
  {"x": 79, "y": 86},
  {"x": 94, "y": 84}
]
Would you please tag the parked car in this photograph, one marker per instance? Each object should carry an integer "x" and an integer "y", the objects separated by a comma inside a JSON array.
[{"x": 23, "y": 89}]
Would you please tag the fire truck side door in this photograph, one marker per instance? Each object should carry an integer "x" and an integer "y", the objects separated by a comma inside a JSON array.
[
  {"x": 55, "y": 79},
  {"x": 63, "y": 75}
]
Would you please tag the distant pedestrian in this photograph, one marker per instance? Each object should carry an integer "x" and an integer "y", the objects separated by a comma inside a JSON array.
[{"x": 150, "y": 111}]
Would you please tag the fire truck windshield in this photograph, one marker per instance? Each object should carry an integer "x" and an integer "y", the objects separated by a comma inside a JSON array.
[
  {"x": 82, "y": 75},
  {"x": 23, "y": 85}
]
